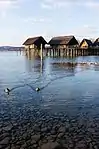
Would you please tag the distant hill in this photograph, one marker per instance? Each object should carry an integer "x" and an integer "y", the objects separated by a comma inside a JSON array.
[{"x": 10, "y": 48}]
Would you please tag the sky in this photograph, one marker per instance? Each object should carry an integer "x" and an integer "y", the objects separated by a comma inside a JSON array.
[{"x": 21, "y": 19}]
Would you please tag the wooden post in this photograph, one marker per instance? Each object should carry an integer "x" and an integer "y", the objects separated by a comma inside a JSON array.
[
  {"x": 83, "y": 52},
  {"x": 69, "y": 52},
  {"x": 59, "y": 52},
  {"x": 72, "y": 52},
  {"x": 53, "y": 52},
  {"x": 77, "y": 52},
  {"x": 97, "y": 51},
  {"x": 41, "y": 52},
  {"x": 41, "y": 58}
]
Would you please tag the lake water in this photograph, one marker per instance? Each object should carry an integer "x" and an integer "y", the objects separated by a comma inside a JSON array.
[
  {"x": 61, "y": 86},
  {"x": 72, "y": 90}
]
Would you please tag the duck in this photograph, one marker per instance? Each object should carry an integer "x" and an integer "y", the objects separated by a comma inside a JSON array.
[
  {"x": 37, "y": 89},
  {"x": 7, "y": 90}
]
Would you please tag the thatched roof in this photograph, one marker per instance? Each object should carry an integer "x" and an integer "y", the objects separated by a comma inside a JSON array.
[
  {"x": 96, "y": 43},
  {"x": 89, "y": 42},
  {"x": 62, "y": 40},
  {"x": 34, "y": 40}
]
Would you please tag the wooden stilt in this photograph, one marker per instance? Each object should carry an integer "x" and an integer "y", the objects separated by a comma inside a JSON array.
[
  {"x": 41, "y": 52},
  {"x": 59, "y": 52}
]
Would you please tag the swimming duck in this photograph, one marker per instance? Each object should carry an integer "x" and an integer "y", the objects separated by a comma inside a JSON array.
[
  {"x": 37, "y": 89},
  {"x": 7, "y": 90}
]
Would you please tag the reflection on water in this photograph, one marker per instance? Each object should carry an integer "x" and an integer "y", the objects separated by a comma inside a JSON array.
[{"x": 62, "y": 80}]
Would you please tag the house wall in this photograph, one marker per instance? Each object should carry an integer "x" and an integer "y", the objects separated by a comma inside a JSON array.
[
  {"x": 84, "y": 45},
  {"x": 63, "y": 46},
  {"x": 34, "y": 49},
  {"x": 32, "y": 46},
  {"x": 26, "y": 47},
  {"x": 58, "y": 46}
]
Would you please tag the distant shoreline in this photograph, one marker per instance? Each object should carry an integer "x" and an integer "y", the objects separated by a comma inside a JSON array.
[{"x": 10, "y": 48}]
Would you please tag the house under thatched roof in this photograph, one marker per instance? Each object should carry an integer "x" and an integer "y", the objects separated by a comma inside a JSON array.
[
  {"x": 86, "y": 43},
  {"x": 35, "y": 40},
  {"x": 63, "y": 40}
]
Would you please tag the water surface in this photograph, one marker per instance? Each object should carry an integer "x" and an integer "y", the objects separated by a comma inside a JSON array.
[{"x": 62, "y": 87}]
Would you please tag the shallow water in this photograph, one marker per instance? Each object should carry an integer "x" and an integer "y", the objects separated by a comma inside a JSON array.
[{"x": 62, "y": 87}]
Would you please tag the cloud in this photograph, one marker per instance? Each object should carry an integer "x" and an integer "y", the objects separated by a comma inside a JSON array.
[
  {"x": 54, "y": 3},
  {"x": 45, "y": 6},
  {"x": 93, "y": 4},
  {"x": 66, "y": 3},
  {"x": 87, "y": 31},
  {"x": 34, "y": 20},
  {"x": 5, "y": 5}
]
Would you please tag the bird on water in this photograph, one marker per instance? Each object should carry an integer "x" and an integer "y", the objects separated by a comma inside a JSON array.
[
  {"x": 7, "y": 90},
  {"x": 37, "y": 89}
]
